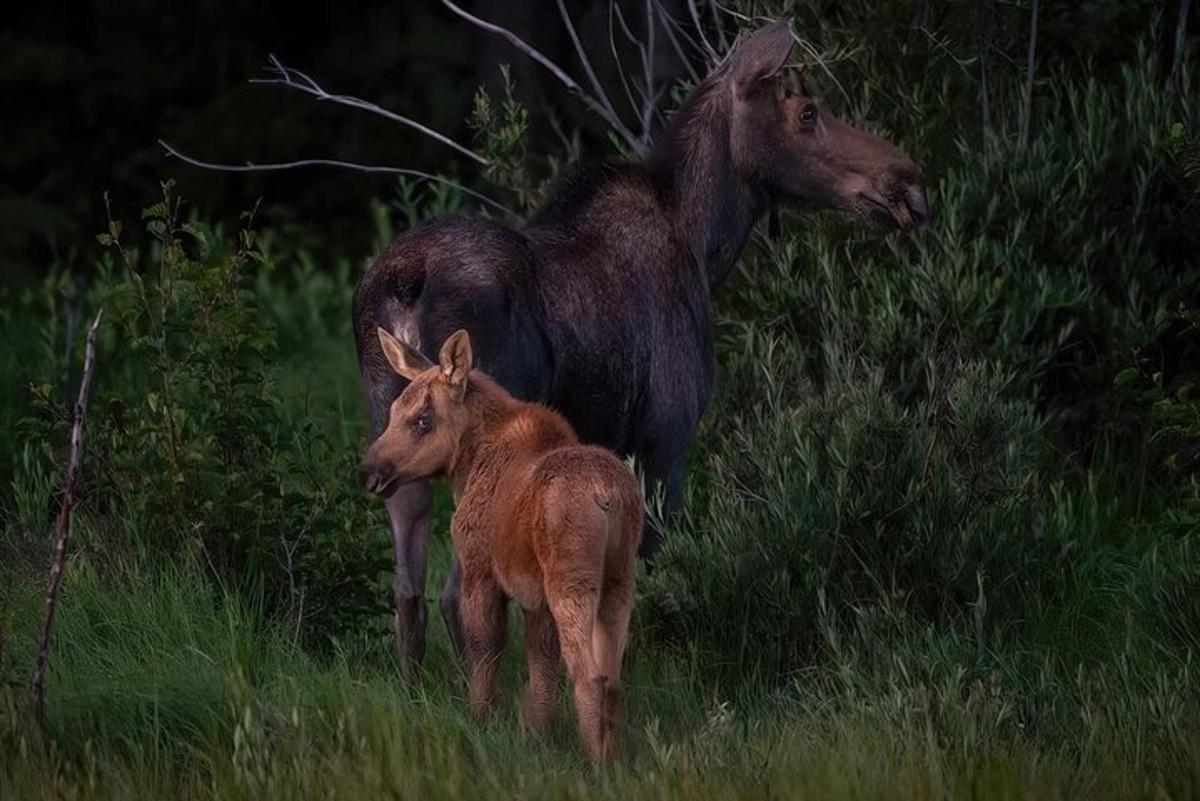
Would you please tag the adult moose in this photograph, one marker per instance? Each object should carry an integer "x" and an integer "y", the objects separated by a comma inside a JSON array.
[{"x": 600, "y": 305}]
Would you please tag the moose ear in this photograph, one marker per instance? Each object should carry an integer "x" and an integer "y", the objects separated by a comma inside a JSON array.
[
  {"x": 404, "y": 359},
  {"x": 760, "y": 56},
  {"x": 456, "y": 361}
]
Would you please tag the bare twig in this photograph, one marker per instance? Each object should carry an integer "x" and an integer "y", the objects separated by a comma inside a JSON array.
[
  {"x": 295, "y": 79},
  {"x": 597, "y": 87},
  {"x": 558, "y": 72},
  {"x": 250, "y": 166},
  {"x": 811, "y": 52},
  {"x": 612, "y": 46},
  {"x": 719, "y": 24},
  {"x": 675, "y": 45},
  {"x": 708, "y": 48},
  {"x": 650, "y": 98},
  {"x": 1030, "y": 64},
  {"x": 674, "y": 28},
  {"x": 58, "y": 564},
  {"x": 1180, "y": 38}
]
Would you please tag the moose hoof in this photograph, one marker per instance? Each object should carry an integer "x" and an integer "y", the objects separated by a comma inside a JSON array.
[{"x": 408, "y": 624}]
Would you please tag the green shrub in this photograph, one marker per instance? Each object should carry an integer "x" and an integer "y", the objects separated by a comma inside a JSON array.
[
  {"x": 836, "y": 497},
  {"x": 197, "y": 442}
]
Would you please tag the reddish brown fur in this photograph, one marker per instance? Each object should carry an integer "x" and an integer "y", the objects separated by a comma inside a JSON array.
[{"x": 540, "y": 519}]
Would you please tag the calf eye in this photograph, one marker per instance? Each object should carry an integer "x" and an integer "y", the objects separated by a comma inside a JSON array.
[
  {"x": 422, "y": 425},
  {"x": 808, "y": 114}
]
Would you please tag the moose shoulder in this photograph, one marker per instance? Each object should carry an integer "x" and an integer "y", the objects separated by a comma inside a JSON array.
[{"x": 600, "y": 305}]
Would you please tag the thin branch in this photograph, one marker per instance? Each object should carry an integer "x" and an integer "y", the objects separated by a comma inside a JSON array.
[
  {"x": 612, "y": 46},
  {"x": 812, "y": 52},
  {"x": 719, "y": 24},
  {"x": 1030, "y": 64},
  {"x": 516, "y": 41},
  {"x": 37, "y": 695},
  {"x": 708, "y": 48},
  {"x": 1180, "y": 38},
  {"x": 733, "y": 12},
  {"x": 678, "y": 48},
  {"x": 650, "y": 99},
  {"x": 250, "y": 166},
  {"x": 672, "y": 23},
  {"x": 295, "y": 79},
  {"x": 597, "y": 87}
]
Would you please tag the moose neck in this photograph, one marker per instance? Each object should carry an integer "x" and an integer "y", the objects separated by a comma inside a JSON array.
[{"x": 713, "y": 206}]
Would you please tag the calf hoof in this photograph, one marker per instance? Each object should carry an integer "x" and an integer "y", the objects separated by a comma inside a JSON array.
[{"x": 408, "y": 626}]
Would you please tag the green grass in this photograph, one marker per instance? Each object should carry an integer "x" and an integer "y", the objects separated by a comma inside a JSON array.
[{"x": 165, "y": 687}]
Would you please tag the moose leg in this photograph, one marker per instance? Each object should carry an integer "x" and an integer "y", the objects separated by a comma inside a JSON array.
[
  {"x": 485, "y": 624},
  {"x": 408, "y": 510},
  {"x": 450, "y": 603},
  {"x": 542, "y": 654},
  {"x": 664, "y": 472}
]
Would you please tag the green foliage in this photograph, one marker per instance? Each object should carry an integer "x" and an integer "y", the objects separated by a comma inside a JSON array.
[
  {"x": 194, "y": 445},
  {"x": 839, "y": 497},
  {"x": 900, "y": 423},
  {"x": 500, "y": 128}
]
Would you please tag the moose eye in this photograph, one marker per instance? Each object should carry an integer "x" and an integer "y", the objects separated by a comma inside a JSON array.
[
  {"x": 808, "y": 115},
  {"x": 422, "y": 425}
]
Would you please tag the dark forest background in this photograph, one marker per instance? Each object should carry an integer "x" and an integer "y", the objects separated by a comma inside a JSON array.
[{"x": 89, "y": 88}]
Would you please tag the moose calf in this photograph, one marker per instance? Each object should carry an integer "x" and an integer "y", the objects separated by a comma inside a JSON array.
[{"x": 540, "y": 518}]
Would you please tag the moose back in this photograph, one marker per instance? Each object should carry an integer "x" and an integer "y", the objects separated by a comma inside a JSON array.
[{"x": 600, "y": 305}]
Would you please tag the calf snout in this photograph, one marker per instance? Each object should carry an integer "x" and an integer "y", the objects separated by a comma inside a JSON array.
[{"x": 375, "y": 476}]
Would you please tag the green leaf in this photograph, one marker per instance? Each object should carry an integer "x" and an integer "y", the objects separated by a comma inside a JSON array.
[{"x": 1126, "y": 376}]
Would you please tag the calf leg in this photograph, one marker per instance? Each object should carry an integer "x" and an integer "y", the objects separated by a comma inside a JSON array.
[
  {"x": 408, "y": 511},
  {"x": 608, "y": 647},
  {"x": 575, "y": 616},
  {"x": 542, "y": 654},
  {"x": 485, "y": 624}
]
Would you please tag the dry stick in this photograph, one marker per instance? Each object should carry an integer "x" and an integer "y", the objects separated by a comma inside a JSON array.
[
  {"x": 612, "y": 46},
  {"x": 719, "y": 24},
  {"x": 38, "y": 676},
  {"x": 675, "y": 45},
  {"x": 601, "y": 95},
  {"x": 250, "y": 166},
  {"x": 1180, "y": 37},
  {"x": 1030, "y": 60},
  {"x": 671, "y": 23},
  {"x": 516, "y": 41},
  {"x": 309, "y": 86},
  {"x": 712, "y": 54},
  {"x": 650, "y": 98}
]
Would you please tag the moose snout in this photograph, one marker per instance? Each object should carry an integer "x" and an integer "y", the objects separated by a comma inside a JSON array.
[
  {"x": 918, "y": 207},
  {"x": 905, "y": 196}
]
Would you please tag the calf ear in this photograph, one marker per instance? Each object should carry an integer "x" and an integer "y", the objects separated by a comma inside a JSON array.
[
  {"x": 456, "y": 361},
  {"x": 760, "y": 56},
  {"x": 405, "y": 360}
]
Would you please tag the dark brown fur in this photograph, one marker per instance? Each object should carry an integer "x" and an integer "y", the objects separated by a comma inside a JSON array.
[
  {"x": 600, "y": 305},
  {"x": 540, "y": 519}
]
